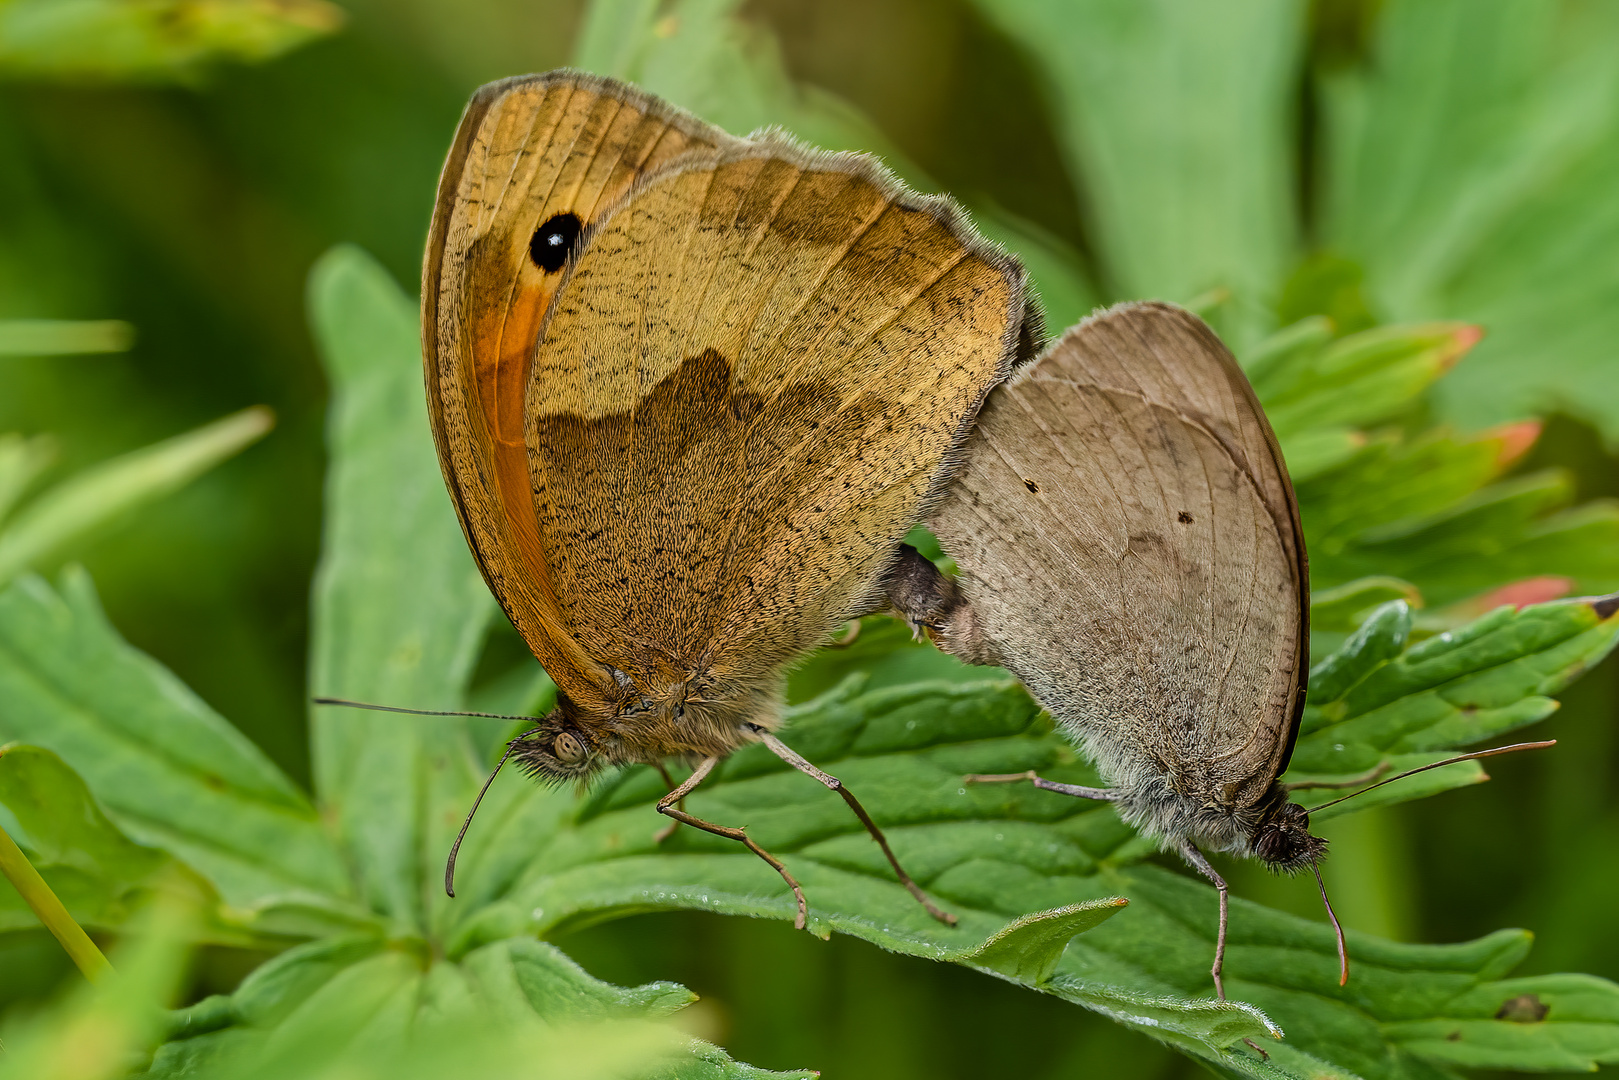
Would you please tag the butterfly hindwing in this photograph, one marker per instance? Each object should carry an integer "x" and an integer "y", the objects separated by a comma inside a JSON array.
[
  {"x": 1127, "y": 535},
  {"x": 750, "y": 384}
]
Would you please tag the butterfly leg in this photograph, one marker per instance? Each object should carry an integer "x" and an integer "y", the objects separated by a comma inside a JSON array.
[
  {"x": 793, "y": 758},
  {"x": 669, "y": 806},
  {"x": 668, "y": 830},
  {"x": 1190, "y": 853},
  {"x": 1078, "y": 792}
]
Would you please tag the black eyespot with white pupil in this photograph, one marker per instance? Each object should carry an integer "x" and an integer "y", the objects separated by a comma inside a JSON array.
[
  {"x": 568, "y": 748},
  {"x": 553, "y": 242}
]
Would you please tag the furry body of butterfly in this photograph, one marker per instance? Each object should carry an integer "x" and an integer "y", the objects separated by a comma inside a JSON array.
[{"x": 689, "y": 393}]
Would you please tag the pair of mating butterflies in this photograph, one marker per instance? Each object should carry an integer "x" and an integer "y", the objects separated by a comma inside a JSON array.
[{"x": 690, "y": 392}]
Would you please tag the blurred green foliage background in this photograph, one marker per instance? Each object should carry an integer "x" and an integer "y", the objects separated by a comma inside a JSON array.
[{"x": 194, "y": 211}]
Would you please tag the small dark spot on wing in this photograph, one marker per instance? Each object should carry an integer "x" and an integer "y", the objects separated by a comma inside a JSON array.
[{"x": 553, "y": 242}]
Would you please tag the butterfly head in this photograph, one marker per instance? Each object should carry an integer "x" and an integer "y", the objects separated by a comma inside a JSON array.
[
  {"x": 559, "y": 748},
  {"x": 1282, "y": 838}
]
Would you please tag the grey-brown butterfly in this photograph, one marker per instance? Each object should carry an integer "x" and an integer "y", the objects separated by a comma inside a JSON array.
[{"x": 1129, "y": 546}]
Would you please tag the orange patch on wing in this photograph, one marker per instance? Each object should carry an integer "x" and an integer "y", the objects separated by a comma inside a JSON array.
[{"x": 503, "y": 359}]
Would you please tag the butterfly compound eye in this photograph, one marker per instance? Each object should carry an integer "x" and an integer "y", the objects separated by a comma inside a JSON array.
[
  {"x": 553, "y": 242},
  {"x": 568, "y": 749}
]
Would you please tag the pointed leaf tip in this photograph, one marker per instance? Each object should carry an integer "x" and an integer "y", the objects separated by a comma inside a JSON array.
[
  {"x": 1515, "y": 440},
  {"x": 1028, "y": 948},
  {"x": 1463, "y": 338}
]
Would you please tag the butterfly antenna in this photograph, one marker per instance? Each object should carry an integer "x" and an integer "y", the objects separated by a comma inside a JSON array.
[
  {"x": 455, "y": 848},
  {"x": 1337, "y": 928},
  {"x": 414, "y": 712},
  {"x": 1440, "y": 765}
]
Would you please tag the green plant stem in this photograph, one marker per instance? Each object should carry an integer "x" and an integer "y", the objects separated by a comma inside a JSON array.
[{"x": 32, "y": 888}]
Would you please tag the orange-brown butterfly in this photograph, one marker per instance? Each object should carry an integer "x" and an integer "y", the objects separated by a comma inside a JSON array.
[{"x": 690, "y": 391}]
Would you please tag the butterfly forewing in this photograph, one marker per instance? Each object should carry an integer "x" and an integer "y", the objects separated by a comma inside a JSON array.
[
  {"x": 529, "y": 151},
  {"x": 1127, "y": 534}
]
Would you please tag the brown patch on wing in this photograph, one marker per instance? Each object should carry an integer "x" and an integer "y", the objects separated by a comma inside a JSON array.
[
  {"x": 527, "y": 150},
  {"x": 689, "y": 452}
]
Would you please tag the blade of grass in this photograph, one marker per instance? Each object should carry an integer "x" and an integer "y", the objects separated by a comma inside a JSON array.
[
  {"x": 63, "y": 337},
  {"x": 101, "y": 493},
  {"x": 50, "y": 910}
]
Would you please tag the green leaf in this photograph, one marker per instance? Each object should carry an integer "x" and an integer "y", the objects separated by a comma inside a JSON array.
[
  {"x": 1326, "y": 287},
  {"x": 699, "y": 55},
  {"x": 1175, "y": 114},
  {"x": 103, "y": 493},
  {"x": 101, "y": 875},
  {"x": 537, "y": 861},
  {"x": 1386, "y": 483},
  {"x": 400, "y": 609},
  {"x": 1028, "y": 948},
  {"x": 1311, "y": 452},
  {"x": 1336, "y": 614},
  {"x": 1319, "y": 392},
  {"x": 168, "y": 770},
  {"x": 1277, "y": 361},
  {"x": 1427, "y": 511},
  {"x": 1378, "y": 639},
  {"x": 1349, "y": 606},
  {"x": 166, "y": 41},
  {"x": 1372, "y": 702},
  {"x": 1468, "y": 170},
  {"x": 1549, "y": 1023},
  {"x": 1505, "y": 532},
  {"x": 1363, "y": 378},
  {"x": 62, "y": 337},
  {"x": 525, "y": 690},
  {"x": 366, "y": 1007}
]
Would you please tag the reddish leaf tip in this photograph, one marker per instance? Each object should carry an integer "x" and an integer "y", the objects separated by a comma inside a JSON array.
[
  {"x": 1462, "y": 340},
  {"x": 1521, "y": 594},
  {"x": 1515, "y": 440}
]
